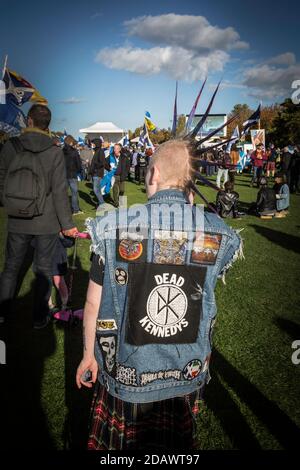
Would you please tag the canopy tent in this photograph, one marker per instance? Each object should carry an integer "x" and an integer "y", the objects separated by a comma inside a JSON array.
[
  {"x": 108, "y": 130},
  {"x": 135, "y": 140}
]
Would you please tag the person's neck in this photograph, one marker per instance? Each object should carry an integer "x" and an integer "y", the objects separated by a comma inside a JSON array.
[{"x": 36, "y": 129}]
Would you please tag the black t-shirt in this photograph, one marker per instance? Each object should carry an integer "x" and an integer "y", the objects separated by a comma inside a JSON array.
[{"x": 97, "y": 270}]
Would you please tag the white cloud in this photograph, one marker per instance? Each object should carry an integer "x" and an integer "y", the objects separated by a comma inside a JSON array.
[
  {"x": 268, "y": 81},
  {"x": 186, "y": 31},
  {"x": 184, "y": 47},
  {"x": 177, "y": 62},
  {"x": 72, "y": 100},
  {"x": 288, "y": 58}
]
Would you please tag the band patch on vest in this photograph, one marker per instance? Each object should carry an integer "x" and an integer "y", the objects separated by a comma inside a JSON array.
[
  {"x": 131, "y": 247},
  {"x": 192, "y": 369},
  {"x": 148, "y": 377},
  {"x": 108, "y": 348},
  {"x": 121, "y": 276},
  {"x": 169, "y": 247},
  {"x": 104, "y": 325},
  {"x": 165, "y": 303},
  {"x": 126, "y": 375},
  {"x": 206, "y": 248}
]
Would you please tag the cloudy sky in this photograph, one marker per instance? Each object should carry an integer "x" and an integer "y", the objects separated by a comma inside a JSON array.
[{"x": 111, "y": 61}]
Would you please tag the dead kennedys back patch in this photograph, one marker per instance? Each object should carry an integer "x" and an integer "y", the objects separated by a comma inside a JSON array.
[{"x": 165, "y": 303}]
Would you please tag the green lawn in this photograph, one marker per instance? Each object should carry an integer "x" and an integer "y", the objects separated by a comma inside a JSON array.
[{"x": 252, "y": 400}]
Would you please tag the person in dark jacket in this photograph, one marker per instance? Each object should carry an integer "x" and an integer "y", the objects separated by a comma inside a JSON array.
[
  {"x": 266, "y": 200},
  {"x": 97, "y": 168},
  {"x": 43, "y": 228},
  {"x": 141, "y": 166},
  {"x": 227, "y": 201},
  {"x": 286, "y": 164},
  {"x": 120, "y": 174},
  {"x": 74, "y": 168}
]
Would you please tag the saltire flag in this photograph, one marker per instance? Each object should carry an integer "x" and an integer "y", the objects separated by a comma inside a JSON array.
[
  {"x": 108, "y": 179},
  {"x": 151, "y": 127},
  {"x": 124, "y": 141},
  {"x": 198, "y": 127},
  {"x": 80, "y": 141},
  {"x": 234, "y": 138},
  {"x": 253, "y": 119},
  {"x": 193, "y": 110},
  {"x": 144, "y": 139},
  {"x": 174, "y": 126},
  {"x": 19, "y": 90}
]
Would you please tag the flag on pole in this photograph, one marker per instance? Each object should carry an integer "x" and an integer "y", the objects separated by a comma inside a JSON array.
[
  {"x": 151, "y": 127},
  {"x": 144, "y": 139},
  {"x": 19, "y": 90},
  {"x": 198, "y": 127},
  {"x": 253, "y": 119},
  {"x": 124, "y": 141},
  {"x": 234, "y": 138},
  {"x": 193, "y": 110},
  {"x": 174, "y": 126}
]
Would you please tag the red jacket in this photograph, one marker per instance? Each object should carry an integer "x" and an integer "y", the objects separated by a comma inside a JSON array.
[{"x": 259, "y": 159}]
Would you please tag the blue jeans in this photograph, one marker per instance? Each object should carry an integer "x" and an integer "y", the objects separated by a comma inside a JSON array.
[
  {"x": 97, "y": 189},
  {"x": 73, "y": 184}
]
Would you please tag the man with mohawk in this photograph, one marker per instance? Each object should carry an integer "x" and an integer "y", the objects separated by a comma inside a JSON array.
[{"x": 150, "y": 310}]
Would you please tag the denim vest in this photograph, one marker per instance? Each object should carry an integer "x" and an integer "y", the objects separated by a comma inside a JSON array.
[{"x": 157, "y": 312}]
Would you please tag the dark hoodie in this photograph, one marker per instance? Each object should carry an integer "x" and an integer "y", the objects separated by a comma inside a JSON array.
[{"x": 57, "y": 212}]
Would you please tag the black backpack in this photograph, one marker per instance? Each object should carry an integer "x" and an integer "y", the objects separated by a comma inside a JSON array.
[{"x": 25, "y": 192}]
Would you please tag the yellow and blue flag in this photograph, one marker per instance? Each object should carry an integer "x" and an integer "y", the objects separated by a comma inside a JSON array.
[{"x": 151, "y": 127}]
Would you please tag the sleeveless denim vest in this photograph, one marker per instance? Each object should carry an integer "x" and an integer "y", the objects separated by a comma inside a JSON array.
[{"x": 157, "y": 312}]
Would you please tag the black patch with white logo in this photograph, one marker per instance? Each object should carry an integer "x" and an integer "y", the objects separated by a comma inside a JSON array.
[
  {"x": 165, "y": 304},
  {"x": 121, "y": 276},
  {"x": 108, "y": 347}
]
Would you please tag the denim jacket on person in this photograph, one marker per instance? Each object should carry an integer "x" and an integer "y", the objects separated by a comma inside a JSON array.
[{"x": 158, "y": 310}]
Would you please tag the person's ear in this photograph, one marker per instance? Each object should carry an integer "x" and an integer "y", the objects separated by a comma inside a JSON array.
[
  {"x": 29, "y": 122},
  {"x": 154, "y": 175}
]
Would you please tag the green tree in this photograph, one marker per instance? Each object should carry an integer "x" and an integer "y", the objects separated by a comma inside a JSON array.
[
  {"x": 286, "y": 126},
  {"x": 243, "y": 112},
  {"x": 180, "y": 125}
]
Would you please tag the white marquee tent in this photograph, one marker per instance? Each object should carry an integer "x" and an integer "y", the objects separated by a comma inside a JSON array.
[{"x": 108, "y": 130}]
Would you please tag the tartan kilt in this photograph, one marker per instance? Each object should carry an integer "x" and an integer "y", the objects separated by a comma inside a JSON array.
[{"x": 161, "y": 425}]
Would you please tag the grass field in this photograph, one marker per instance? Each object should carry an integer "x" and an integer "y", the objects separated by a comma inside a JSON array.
[{"x": 252, "y": 400}]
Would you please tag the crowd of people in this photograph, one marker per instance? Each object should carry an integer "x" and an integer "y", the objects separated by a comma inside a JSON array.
[{"x": 150, "y": 296}]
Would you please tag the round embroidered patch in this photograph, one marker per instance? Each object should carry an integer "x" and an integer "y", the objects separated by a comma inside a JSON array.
[
  {"x": 121, "y": 276},
  {"x": 130, "y": 250},
  {"x": 192, "y": 369}
]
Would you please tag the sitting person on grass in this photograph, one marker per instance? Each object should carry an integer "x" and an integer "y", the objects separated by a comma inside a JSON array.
[
  {"x": 227, "y": 201},
  {"x": 266, "y": 200},
  {"x": 282, "y": 195}
]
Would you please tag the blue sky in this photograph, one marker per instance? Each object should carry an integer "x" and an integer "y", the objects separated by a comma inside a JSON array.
[{"x": 111, "y": 61}]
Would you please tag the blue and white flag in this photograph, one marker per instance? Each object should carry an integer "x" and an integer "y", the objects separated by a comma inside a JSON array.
[
  {"x": 253, "y": 119},
  {"x": 124, "y": 141},
  {"x": 144, "y": 139},
  {"x": 234, "y": 138}
]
